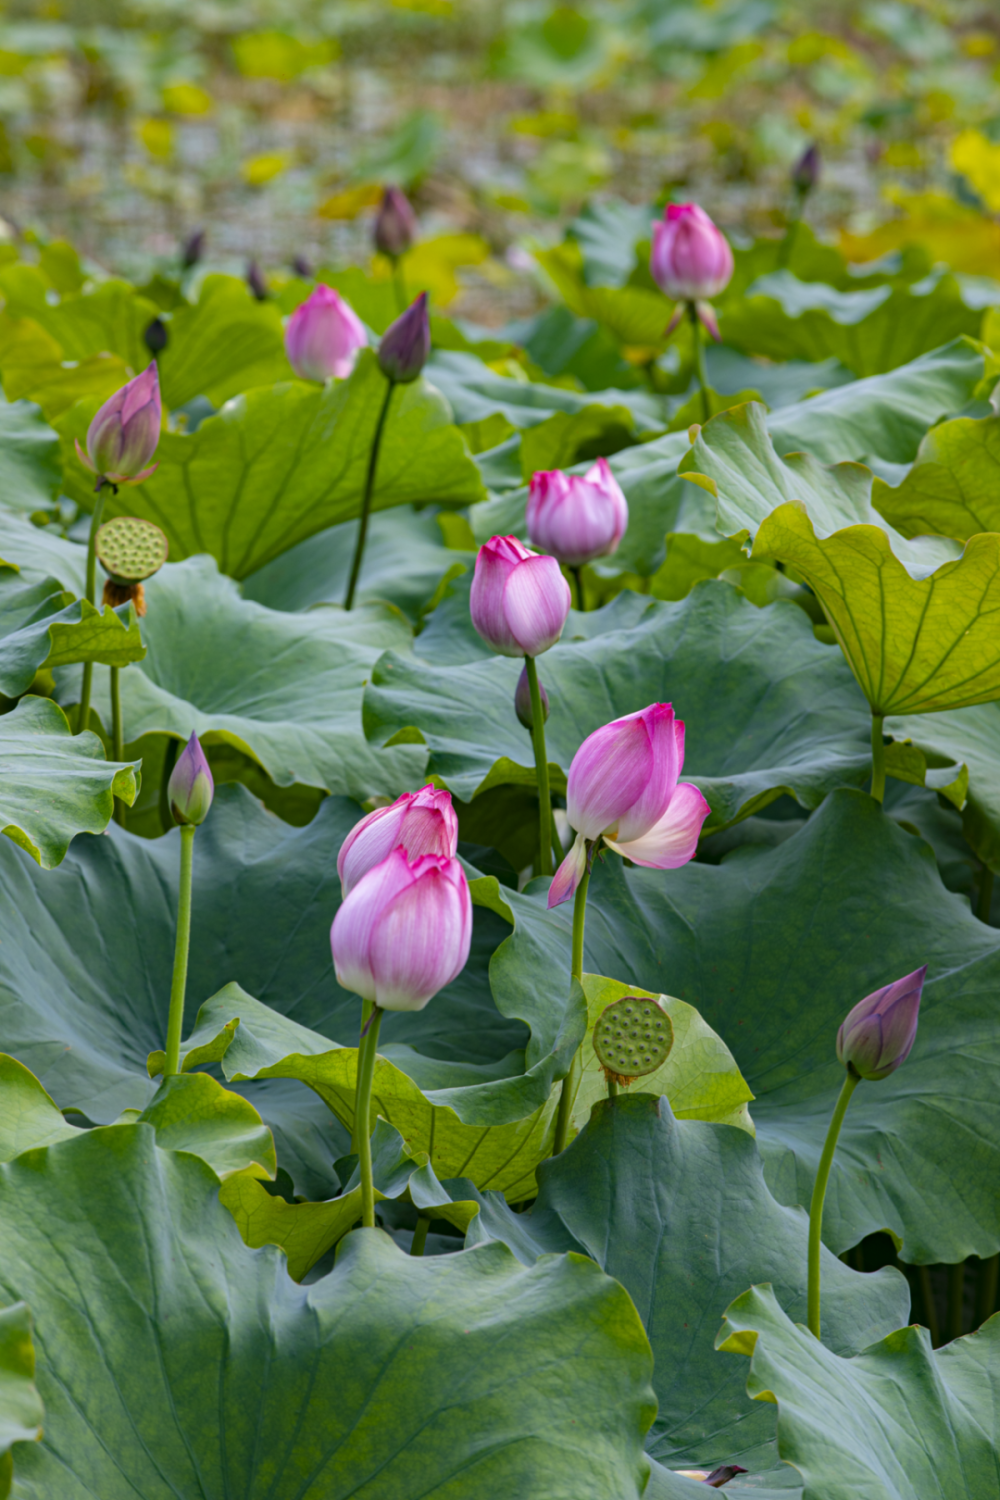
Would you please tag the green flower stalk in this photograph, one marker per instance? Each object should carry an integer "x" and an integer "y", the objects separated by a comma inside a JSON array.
[{"x": 190, "y": 791}]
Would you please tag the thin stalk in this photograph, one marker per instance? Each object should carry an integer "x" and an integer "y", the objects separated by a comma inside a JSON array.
[
  {"x": 699, "y": 361},
  {"x": 930, "y": 1305},
  {"x": 117, "y": 735},
  {"x": 399, "y": 281},
  {"x": 612, "y": 1086},
  {"x": 366, "y": 503},
  {"x": 541, "y": 770},
  {"x": 985, "y": 902},
  {"x": 878, "y": 759},
  {"x": 956, "y": 1301},
  {"x": 557, "y": 848},
  {"x": 169, "y": 758},
  {"x": 986, "y": 1289},
  {"x": 178, "y": 987},
  {"x": 571, "y": 1082},
  {"x": 819, "y": 1194},
  {"x": 420, "y": 1235},
  {"x": 83, "y": 710},
  {"x": 578, "y": 580},
  {"x": 791, "y": 230},
  {"x": 367, "y": 1006},
  {"x": 366, "y": 1072}
]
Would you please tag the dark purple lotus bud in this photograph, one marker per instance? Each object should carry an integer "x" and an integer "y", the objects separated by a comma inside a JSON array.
[
  {"x": 805, "y": 173},
  {"x": 723, "y": 1475},
  {"x": 155, "y": 337},
  {"x": 877, "y": 1036},
  {"x": 395, "y": 227},
  {"x": 302, "y": 267},
  {"x": 522, "y": 701},
  {"x": 193, "y": 249},
  {"x": 406, "y": 344},
  {"x": 255, "y": 281}
]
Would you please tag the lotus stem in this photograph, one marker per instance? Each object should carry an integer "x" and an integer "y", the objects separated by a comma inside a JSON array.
[
  {"x": 699, "y": 361},
  {"x": 367, "y": 1006},
  {"x": 878, "y": 759},
  {"x": 578, "y": 580},
  {"x": 851, "y": 1081},
  {"x": 956, "y": 1301},
  {"x": 117, "y": 735},
  {"x": 420, "y": 1235},
  {"x": 572, "y": 1080},
  {"x": 366, "y": 1072},
  {"x": 83, "y": 711},
  {"x": 930, "y": 1306},
  {"x": 541, "y": 770},
  {"x": 399, "y": 281},
  {"x": 366, "y": 503},
  {"x": 178, "y": 988}
]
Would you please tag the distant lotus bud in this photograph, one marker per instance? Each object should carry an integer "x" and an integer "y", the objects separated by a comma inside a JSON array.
[
  {"x": 722, "y": 1475},
  {"x": 190, "y": 789},
  {"x": 395, "y": 227},
  {"x": 123, "y": 436},
  {"x": 522, "y": 701},
  {"x": 256, "y": 281},
  {"x": 193, "y": 249},
  {"x": 805, "y": 173},
  {"x": 877, "y": 1036},
  {"x": 155, "y": 337},
  {"x": 691, "y": 259},
  {"x": 302, "y": 267},
  {"x": 576, "y": 517},
  {"x": 623, "y": 787},
  {"x": 323, "y": 336},
  {"x": 421, "y": 822},
  {"x": 519, "y": 601},
  {"x": 404, "y": 931},
  {"x": 406, "y": 344}
]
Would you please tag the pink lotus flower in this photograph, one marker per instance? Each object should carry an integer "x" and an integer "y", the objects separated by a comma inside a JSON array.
[
  {"x": 691, "y": 258},
  {"x": 576, "y": 517},
  {"x": 878, "y": 1034},
  {"x": 404, "y": 931},
  {"x": 519, "y": 601},
  {"x": 323, "y": 336},
  {"x": 421, "y": 822},
  {"x": 123, "y": 436},
  {"x": 623, "y": 788}
]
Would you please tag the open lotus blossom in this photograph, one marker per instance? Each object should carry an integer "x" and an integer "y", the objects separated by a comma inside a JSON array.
[
  {"x": 323, "y": 336},
  {"x": 421, "y": 822},
  {"x": 519, "y": 601},
  {"x": 623, "y": 788},
  {"x": 404, "y": 931},
  {"x": 123, "y": 436},
  {"x": 878, "y": 1034},
  {"x": 191, "y": 788},
  {"x": 576, "y": 517}
]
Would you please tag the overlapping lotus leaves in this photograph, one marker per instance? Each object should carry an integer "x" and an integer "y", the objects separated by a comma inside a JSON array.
[
  {"x": 475, "y": 391},
  {"x": 40, "y": 552},
  {"x": 109, "y": 319},
  {"x": 41, "y": 627},
  {"x": 678, "y": 1212},
  {"x": 175, "y": 1360},
  {"x": 21, "y": 1410},
  {"x": 899, "y": 1421},
  {"x": 915, "y": 645},
  {"x": 970, "y": 735},
  {"x": 953, "y": 488},
  {"x": 224, "y": 343},
  {"x": 30, "y": 470},
  {"x": 280, "y": 463},
  {"x": 54, "y": 784},
  {"x": 773, "y": 947},
  {"x": 28, "y": 1115}
]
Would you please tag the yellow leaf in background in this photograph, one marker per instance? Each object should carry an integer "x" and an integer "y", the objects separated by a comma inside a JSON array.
[
  {"x": 978, "y": 160},
  {"x": 903, "y": 154},
  {"x": 350, "y": 202},
  {"x": 948, "y": 230},
  {"x": 979, "y": 44},
  {"x": 258, "y": 170},
  {"x": 548, "y": 122},
  {"x": 432, "y": 264},
  {"x": 157, "y": 136},
  {"x": 275, "y": 54},
  {"x": 427, "y": 7},
  {"x": 186, "y": 99}
]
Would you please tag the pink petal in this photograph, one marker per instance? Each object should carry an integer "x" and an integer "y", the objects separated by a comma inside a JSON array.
[
  {"x": 652, "y": 802},
  {"x": 673, "y": 841},
  {"x": 608, "y": 774},
  {"x": 422, "y": 938},
  {"x": 569, "y": 873},
  {"x": 536, "y": 601}
]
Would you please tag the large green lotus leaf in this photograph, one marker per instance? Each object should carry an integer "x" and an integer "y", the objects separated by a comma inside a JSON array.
[
  {"x": 224, "y": 343},
  {"x": 32, "y": 365},
  {"x": 54, "y": 784},
  {"x": 41, "y": 627},
  {"x": 679, "y": 1213},
  {"x": 283, "y": 688},
  {"x": 21, "y": 1409},
  {"x": 194, "y": 1113},
  {"x": 30, "y": 468},
  {"x": 952, "y": 489},
  {"x": 898, "y": 1421},
  {"x": 870, "y": 331},
  {"x": 280, "y": 463},
  {"x": 176, "y": 1362},
  {"x": 636, "y": 315},
  {"x": 28, "y": 1115},
  {"x": 109, "y": 319},
  {"x": 475, "y": 391},
  {"x": 40, "y": 552},
  {"x": 914, "y": 644},
  {"x": 969, "y": 736},
  {"x": 773, "y": 947}
]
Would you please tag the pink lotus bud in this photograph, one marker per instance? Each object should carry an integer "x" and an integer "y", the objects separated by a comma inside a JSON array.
[
  {"x": 519, "y": 601},
  {"x": 404, "y": 931},
  {"x": 395, "y": 227},
  {"x": 623, "y": 787},
  {"x": 421, "y": 822},
  {"x": 878, "y": 1034},
  {"x": 576, "y": 517},
  {"x": 691, "y": 259},
  {"x": 406, "y": 343},
  {"x": 190, "y": 789},
  {"x": 123, "y": 436},
  {"x": 522, "y": 701},
  {"x": 323, "y": 336}
]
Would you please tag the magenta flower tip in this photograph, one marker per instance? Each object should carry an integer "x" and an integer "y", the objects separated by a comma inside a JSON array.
[
  {"x": 690, "y": 260},
  {"x": 576, "y": 517},
  {"x": 419, "y": 823}
]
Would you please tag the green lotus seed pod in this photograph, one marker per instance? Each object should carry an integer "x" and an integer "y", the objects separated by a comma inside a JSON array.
[
  {"x": 633, "y": 1037},
  {"x": 131, "y": 549}
]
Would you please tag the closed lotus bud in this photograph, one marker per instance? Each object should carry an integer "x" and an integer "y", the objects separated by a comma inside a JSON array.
[
  {"x": 877, "y": 1036},
  {"x": 519, "y": 601},
  {"x": 522, "y": 701},
  {"x": 256, "y": 281},
  {"x": 805, "y": 173},
  {"x": 155, "y": 337},
  {"x": 395, "y": 227},
  {"x": 323, "y": 336},
  {"x": 404, "y": 931},
  {"x": 576, "y": 517},
  {"x": 302, "y": 267},
  {"x": 123, "y": 436},
  {"x": 190, "y": 789},
  {"x": 421, "y": 822},
  {"x": 193, "y": 249},
  {"x": 691, "y": 259},
  {"x": 406, "y": 344},
  {"x": 623, "y": 787}
]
